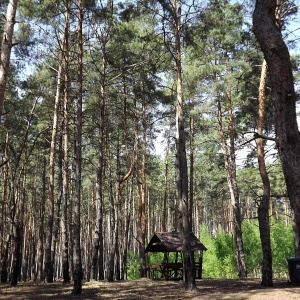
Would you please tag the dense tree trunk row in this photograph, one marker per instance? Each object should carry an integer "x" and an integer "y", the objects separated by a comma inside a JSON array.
[{"x": 82, "y": 191}]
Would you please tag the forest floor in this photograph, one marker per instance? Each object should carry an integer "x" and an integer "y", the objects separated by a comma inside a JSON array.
[{"x": 207, "y": 289}]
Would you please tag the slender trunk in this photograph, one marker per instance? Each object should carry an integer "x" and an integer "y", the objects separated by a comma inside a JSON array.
[
  {"x": 229, "y": 162},
  {"x": 17, "y": 225},
  {"x": 114, "y": 254},
  {"x": 78, "y": 274},
  {"x": 141, "y": 184},
  {"x": 127, "y": 214},
  {"x": 276, "y": 53},
  {"x": 165, "y": 222},
  {"x": 31, "y": 241},
  {"x": 40, "y": 247},
  {"x": 115, "y": 236},
  {"x": 181, "y": 161},
  {"x": 57, "y": 218},
  {"x": 56, "y": 223},
  {"x": 191, "y": 194},
  {"x": 97, "y": 254},
  {"x": 5, "y": 236},
  {"x": 18, "y": 184},
  {"x": 98, "y": 234},
  {"x": 16, "y": 263},
  {"x": 65, "y": 185},
  {"x": 241, "y": 261},
  {"x": 4, "y": 259},
  {"x": 6, "y": 47},
  {"x": 49, "y": 267},
  {"x": 263, "y": 209}
]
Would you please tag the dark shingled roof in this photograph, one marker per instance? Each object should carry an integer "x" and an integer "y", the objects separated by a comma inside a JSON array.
[{"x": 170, "y": 242}]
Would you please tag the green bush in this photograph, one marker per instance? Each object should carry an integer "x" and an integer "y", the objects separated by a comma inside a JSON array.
[
  {"x": 282, "y": 244},
  {"x": 252, "y": 248},
  {"x": 219, "y": 260},
  {"x": 133, "y": 266}
]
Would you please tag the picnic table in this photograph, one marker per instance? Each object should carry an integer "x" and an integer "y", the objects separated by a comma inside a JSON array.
[
  {"x": 166, "y": 270},
  {"x": 170, "y": 270}
]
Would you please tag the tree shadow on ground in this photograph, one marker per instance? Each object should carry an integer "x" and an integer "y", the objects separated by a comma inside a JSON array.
[{"x": 207, "y": 289}]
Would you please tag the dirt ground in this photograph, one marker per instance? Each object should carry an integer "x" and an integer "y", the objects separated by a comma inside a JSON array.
[{"x": 153, "y": 289}]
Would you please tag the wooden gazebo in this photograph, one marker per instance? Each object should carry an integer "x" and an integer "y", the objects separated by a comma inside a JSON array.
[{"x": 171, "y": 266}]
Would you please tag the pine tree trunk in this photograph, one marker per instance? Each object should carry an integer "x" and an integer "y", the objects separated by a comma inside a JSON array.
[
  {"x": 4, "y": 259},
  {"x": 114, "y": 238},
  {"x": 97, "y": 252},
  {"x": 16, "y": 263},
  {"x": 141, "y": 186},
  {"x": 18, "y": 187},
  {"x": 57, "y": 218},
  {"x": 266, "y": 28},
  {"x": 49, "y": 264},
  {"x": 181, "y": 161},
  {"x": 263, "y": 209},
  {"x": 229, "y": 162},
  {"x": 6, "y": 47},
  {"x": 40, "y": 243},
  {"x": 191, "y": 187},
  {"x": 32, "y": 249},
  {"x": 65, "y": 185},
  {"x": 165, "y": 218},
  {"x": 114, "y": 257},
  {"x": 125, "y": 235},
  {"x": 78, "y": 274},
  {"x": 5, "y": 235}
]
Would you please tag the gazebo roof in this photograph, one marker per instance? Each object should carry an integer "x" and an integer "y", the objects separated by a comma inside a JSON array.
[{"x": 170, "y": 242}]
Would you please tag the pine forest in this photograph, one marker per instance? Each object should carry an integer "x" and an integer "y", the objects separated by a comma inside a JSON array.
[{"x": 122, "y": 119}]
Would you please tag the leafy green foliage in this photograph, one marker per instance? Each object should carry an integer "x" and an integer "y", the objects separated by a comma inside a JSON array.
[
  {"x": 133, "y": 265},
  {"x": 211, "y": 262},
  {"x": 156, "y": 257},
  {"x": 282, "y": 244},
  {"x": 252, "y": 247},
  {"x": 219, "y": 259},
  {"x": 224, "y": 251}
]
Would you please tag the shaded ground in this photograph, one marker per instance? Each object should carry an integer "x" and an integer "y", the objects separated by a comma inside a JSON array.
[{"x": 153, "y": 289}]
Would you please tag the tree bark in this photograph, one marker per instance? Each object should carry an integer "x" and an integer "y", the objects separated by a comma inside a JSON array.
[
  {"x": 141, "y": 182},
  {"x": 267, "y": 31},
  {"x": 125, "y": 233},
  {"x": 49, "y": 268},
  {"x": 263, "y": 209},
  {"x": 230, "y": 168},
  {"x": 18, "y": 183},
  {"x": 65, "y": 184},
  {"x": 181, "y": 161},
  {"x": 97, "y": 254},
  {"x": 40, "y": 246},
  {"x": 192, "y": 147},
  {"x": 6, "y": 47},
  {"x": 78, "y": 273},
  {"x": 165, "y": 219},
  {"x": 5, "y": 235}
]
